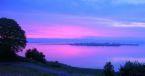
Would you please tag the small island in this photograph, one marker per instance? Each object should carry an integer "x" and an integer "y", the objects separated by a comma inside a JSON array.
[{"x": 103, "y": 44}]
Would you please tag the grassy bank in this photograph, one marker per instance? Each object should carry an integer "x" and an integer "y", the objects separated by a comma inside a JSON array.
[
  {"x": 48, "y": 69},
  {"x": 10, "y": 70}
]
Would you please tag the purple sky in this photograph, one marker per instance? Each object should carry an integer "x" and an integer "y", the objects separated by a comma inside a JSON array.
[{"x": 77, "y": 18}]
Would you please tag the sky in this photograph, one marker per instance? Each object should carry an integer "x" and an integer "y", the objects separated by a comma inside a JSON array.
[{"x": 77, "y": 18}]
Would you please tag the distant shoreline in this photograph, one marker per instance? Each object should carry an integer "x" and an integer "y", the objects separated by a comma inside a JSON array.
[
  {"x": 102, "y": 44},
  {"x": 93, "y": 44}
]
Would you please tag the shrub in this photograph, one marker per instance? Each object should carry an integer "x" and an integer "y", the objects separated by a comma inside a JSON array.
[{"x": 34, "y": 54}]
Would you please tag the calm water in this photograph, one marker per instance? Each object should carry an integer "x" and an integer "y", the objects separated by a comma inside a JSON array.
[{"x": 91, "y": 56}]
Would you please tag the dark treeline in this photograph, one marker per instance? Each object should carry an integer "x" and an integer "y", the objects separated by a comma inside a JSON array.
[
  {"x": 129, "y": 69},
  {"x": 132, "y": 69}
]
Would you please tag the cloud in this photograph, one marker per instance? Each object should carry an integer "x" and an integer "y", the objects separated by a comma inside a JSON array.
[
  {"x": 91, "y": 1},
  {"x": 73, "y": 19},
  {"x": 133, "y": 2},
  {"x": 64, "y": 19},
  {"x": 72, "y": 26},
  {"x": 129, "y": 24}
]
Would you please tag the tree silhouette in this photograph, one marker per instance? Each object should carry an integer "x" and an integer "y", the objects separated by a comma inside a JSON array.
[
  {"x": 34, "y": 54},
  {"x": 109, "y": 69},
  {"x": 12, "y": 37},
  {"x": 132, "y": 69}
]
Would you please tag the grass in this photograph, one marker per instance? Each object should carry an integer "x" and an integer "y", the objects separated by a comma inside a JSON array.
[
  {"x": 8, "y": 70},
  {"x": 21, "y": 70},
  {"x": 15, "y": 70}
]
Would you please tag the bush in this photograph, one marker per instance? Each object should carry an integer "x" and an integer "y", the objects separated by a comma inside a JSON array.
[{"x": 34, "y": 54}]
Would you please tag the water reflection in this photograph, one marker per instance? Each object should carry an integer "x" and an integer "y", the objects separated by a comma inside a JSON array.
[{"x": 90, "y": 57}]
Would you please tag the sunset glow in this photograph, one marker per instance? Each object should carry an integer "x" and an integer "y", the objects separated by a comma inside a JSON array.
[
  {"x": 64, "y": 19},
  {"x": 82, "y": 33}
]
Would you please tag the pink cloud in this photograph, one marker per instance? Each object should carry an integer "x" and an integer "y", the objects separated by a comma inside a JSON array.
[
  {"x": 64, "y": 26},
  {"x": 61, "y": 32},
  {"x": 73, "y": 31}
]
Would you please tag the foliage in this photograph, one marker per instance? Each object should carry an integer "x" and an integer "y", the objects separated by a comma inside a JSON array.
[
  {"x": 132, "y": 69},
  {"x": 109, "y": 69},
  {"x": 12, "y": 38},
  {"x": 34, "y": 54}
]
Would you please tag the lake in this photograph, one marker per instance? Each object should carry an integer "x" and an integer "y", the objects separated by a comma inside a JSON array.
[{"x": 90, "y": 56}]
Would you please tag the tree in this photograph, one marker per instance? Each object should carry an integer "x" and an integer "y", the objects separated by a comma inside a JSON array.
[
  {"x": 109, "y": 69},
  {"x": 132, "y": 69},
  {"x": 12, "y": 37},
  {"x": 34, "y": 54}
]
